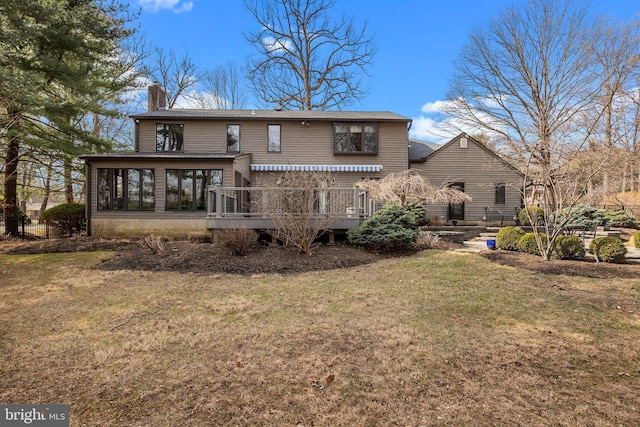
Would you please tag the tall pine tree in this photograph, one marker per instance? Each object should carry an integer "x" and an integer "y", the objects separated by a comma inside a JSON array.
[{"x": 59, "y": 60}]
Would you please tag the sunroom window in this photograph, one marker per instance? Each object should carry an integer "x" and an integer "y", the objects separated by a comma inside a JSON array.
[
  {"x": 126, "y": 189},
  {"x": 186, "y": 189}
]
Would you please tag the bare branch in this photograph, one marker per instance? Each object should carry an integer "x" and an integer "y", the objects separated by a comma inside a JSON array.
[{"x": 306, "y": 60}]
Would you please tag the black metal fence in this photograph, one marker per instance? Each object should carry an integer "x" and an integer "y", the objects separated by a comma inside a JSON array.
[{"x": 29, "y": 229}]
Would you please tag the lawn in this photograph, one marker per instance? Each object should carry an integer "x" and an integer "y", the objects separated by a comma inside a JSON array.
[{"x": 436, "y": 338}]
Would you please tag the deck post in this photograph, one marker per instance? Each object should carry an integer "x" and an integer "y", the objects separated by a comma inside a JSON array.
[
  {"x": 356, "y": 201},
  {"x": 218, "y": 201},
  {"x": 215, "y": 191}
]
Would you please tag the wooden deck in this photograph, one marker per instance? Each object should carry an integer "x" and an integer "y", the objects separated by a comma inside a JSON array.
[{"x": 256, "y": 207}]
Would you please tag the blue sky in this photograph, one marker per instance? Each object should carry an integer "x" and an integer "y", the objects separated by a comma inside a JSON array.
[{"x": 417, "y": 42}]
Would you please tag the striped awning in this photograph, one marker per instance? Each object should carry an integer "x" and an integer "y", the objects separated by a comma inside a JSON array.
[{"x": 317, "y": 168}]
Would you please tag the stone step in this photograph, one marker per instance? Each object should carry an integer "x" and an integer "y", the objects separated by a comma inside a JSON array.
[{"x": 487, "y": 236}]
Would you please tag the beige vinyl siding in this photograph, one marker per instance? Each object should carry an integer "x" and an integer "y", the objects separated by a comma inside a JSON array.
[
  {"x": 479, "y": 170},
  {"x": 242, "y": 165},
  {"x": 300, "y": 144}
]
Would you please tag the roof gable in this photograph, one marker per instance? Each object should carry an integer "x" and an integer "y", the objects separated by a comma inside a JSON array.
[{"x": 471, "y": 140}]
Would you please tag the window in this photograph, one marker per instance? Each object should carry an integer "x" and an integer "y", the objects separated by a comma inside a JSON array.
[
  {"x": 169, "y": 137},
  {"x": 233, "y": 138},
  {"x": 501, "y": 194},
  {"x": 355, "y": 138},
  {"x": 126, "y": 189},
  {"x": 187, "y": 188},
  {"x": 273, "y": 138}
]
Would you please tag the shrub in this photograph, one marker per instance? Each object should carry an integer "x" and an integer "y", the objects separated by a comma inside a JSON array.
[
  {"x": 534, "y": 212},
  {"x": 529, "y": 244},
  {"x": 608, "y": 249},
  {"x": 418, "y": 212},
  {"x": 580, "y": 215},
  {"x": 636, "y": 239},
  {"x": 67, "y": 218},
  {"x": 388, "y": 229},
  {"x": 427, "y": 240},
  {"x": 154, "y": 243},
  {"x": 240, "y": 241},
  {"x": 619, "y": 218},
  {"x": 568, "y": 247},
  {"x": 508, "y": 238}
]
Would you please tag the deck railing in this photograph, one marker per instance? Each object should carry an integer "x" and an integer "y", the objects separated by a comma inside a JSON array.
[{"x": 247, "y": 202}]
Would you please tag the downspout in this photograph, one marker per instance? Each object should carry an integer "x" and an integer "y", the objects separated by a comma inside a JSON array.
[
  {"x": 408, "y": 129},
  {"x": 136, "y": 135}
]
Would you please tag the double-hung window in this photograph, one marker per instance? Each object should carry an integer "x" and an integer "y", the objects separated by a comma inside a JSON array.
[
  {"x": 355, "y": 138},
  {"x": 169, "y": 137},
  {"x": 186, "y": 189},
  {"x": 233, "y": 138},
  {"x": 273, "y": 138},
  {"x": 126, "y": 189}
]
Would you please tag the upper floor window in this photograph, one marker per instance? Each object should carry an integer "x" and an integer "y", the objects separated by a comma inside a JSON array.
[
  {"x": 126, "y": 189},
  {"x": 169, "y": 137},
  {"x": 233, "y": 138},
  {"x": 355, "y": 138},
  {"x": 273, "y": 138}
]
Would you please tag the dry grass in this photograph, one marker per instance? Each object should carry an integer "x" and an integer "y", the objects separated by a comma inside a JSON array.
[{"x": 439, "y": 338}]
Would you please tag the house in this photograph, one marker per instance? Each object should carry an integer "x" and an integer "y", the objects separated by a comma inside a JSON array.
[
  {"x": 494, "y": 185},
  {"x": 193, "y": 170}
]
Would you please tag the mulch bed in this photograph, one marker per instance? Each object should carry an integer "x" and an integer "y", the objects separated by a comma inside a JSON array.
[
  {"x": 586, "y": 268},
  {"x": 205, "y": 258}
]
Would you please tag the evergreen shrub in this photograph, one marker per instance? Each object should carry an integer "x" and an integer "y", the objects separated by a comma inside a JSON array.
[
  {"x": 419, "y": 213},
  {"x": 529, "y": 244},
  {"x": 508, "y": 238},
  {"x": 619, "y": 218},
  {"x": 534, "y": 212},
  {"x": 67, "y": 218},
  {"x": 568, "y": 247},
  {"x": 581, "y": 215},
  {"x": 391, "y": 228},
  {"x": 608, "y": 249}
]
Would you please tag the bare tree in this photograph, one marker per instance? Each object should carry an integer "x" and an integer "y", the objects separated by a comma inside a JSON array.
[
  {"x": 306, "y": 60},
  {"x": 533, "y": 77},
  {"x": 175, "y": 76},
  {"x": 298, "y": 207},
  {"x": 221, "y": 89},
  {"x": 618, "y": 55}
]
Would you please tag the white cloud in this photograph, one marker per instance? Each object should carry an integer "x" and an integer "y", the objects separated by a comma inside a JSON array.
[
  {"x": 272, "y": 45},
  {"x": 436, "y": 107},
  {"x": 176, "y": 6},
  {"x": 426, "y": 129}
]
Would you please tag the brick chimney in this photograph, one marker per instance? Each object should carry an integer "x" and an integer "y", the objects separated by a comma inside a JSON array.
[{"x": 157, "y": 98}]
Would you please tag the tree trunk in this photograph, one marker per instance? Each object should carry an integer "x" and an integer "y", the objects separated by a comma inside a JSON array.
[
  {"x": 11, "y": 180},
  {"x": 68, "y": 179},
  {"x": 47, "y": 188}
]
